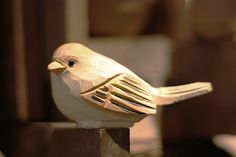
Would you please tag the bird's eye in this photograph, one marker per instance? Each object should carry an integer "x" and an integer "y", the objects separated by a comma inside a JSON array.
[{"x": 71, "y": 63}]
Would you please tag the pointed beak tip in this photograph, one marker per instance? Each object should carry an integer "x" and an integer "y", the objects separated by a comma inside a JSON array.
[{"x": 49, "y": 68}]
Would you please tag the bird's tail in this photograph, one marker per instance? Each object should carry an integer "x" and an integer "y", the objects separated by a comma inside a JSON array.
[{"x": 169, "y": 95}]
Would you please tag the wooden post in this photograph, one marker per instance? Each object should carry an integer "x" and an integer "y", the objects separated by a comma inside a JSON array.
[{"x": 65, "y": 140}]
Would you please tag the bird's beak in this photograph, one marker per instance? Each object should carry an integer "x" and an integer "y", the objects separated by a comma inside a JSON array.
[{"x": 56, "y": 67}]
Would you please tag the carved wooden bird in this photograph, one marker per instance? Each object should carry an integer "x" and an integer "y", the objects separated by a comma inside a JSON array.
[{"x": 96, "y": 91}]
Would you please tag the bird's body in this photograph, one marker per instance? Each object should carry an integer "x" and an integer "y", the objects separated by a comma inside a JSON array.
[
  {"x": 96, "y": 91},
  {"x": 85, "y": 113}
]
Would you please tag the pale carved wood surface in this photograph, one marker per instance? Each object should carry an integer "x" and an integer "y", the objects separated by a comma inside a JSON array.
[
  {"x": 79, "y": 72},
  {"x": 124, "y": 94}
]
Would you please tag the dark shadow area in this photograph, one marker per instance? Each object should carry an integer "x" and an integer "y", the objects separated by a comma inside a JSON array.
[{"x": 192, "y": 148}]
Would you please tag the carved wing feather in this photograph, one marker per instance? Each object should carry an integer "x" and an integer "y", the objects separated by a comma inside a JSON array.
[{"x": 123, "y": 93}]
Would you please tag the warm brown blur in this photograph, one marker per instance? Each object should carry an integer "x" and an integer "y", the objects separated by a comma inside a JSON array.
[{"x": 163, "y": 41}]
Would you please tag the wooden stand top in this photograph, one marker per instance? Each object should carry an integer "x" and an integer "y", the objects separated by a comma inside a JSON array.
[{"x": 66, "y": 140}]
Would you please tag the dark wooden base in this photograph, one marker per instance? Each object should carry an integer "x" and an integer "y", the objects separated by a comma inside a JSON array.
[{"x": 65, "y": 140}]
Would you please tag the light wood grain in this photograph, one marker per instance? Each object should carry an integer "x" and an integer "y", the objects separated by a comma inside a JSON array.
[{"x": 96, "y": 91}]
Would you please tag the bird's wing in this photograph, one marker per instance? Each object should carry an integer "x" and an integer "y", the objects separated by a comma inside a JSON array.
[{"x": 122, "y": 93}]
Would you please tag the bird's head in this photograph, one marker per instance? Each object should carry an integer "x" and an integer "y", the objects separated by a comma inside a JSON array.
[
  {"x": 70, "y": 57},
  {"x": 78, "y": 66},
  {"x": 75, "y": 63}
]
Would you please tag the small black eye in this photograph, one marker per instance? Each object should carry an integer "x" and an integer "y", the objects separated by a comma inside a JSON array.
[{"x": 71, "y": 63}]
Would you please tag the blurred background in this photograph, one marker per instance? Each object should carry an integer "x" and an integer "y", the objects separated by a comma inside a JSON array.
[{"x": 166, "y": 42}]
